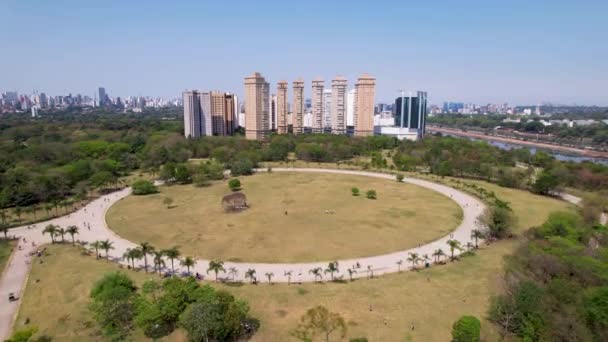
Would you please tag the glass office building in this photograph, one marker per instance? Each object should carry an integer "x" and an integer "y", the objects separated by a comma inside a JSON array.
[{"x": 411, "y": 112}]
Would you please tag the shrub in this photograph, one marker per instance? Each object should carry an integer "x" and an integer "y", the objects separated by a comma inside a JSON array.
[
  {"x": 371, "y": 194},
  {"x": 355, "y": 191},
  {"x": 144, "y": 187},
  {"x": 234, "y": 184},
  {"x": 23, "y": 335},
  {"x": 466, "y": 329},
  {"x": 400, "y": 177},
  {"x": 242, "y": 166}
]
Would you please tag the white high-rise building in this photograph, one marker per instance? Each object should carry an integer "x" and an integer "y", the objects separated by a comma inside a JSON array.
[
  {"x": 197, "y": 113},
  {"x": 327, "y": 109},
  {"x": 350, "y": 108}
]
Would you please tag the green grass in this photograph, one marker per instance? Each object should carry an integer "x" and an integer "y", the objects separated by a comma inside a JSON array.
[
  {"x": 6, "y": 247},
  {"x": 433, "y": 299},
  {"x": 403, "y": 216}
]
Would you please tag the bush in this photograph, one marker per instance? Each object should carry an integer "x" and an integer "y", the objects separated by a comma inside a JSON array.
[
  {"x": 400, "y": 177},
  {"x": 355, "y": 191},
  {"x": 144, "y": 187},
  {"x": 234, "y": 184},
  {"x": 113, "y": 305},
  {"x": 243, "y": 166},
  {"x": 371, "y": 194},
  {"x": 466, "y": 329},
  {"x": 23, "y": 335}
]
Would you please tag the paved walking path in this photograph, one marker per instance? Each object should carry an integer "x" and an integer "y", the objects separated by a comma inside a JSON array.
[{"x": 93, "y": 214}]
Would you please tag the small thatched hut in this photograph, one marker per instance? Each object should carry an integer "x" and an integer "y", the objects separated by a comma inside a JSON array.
[{"x": 236, "y": 201}]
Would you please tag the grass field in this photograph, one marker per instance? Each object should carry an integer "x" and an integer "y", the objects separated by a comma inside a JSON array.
[
  {"x": 403, "y": 216},
  {"x": 6, "y": 248},
  {"x": 432, "y": 299}
]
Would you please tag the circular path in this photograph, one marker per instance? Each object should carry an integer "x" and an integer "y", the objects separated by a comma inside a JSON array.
[{"x": 94, "y": 214}]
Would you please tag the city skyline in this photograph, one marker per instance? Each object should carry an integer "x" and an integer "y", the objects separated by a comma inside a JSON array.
[{"x": 519, "y": 52}]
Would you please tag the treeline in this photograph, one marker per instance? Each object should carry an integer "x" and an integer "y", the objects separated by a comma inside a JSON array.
[
  {"x": 557, "y": 284},
  {"x": 516, "y": 168}
]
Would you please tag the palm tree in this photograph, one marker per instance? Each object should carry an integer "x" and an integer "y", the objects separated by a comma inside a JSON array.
[
  {"x": 128, "y": 255},
  {"x": 96, "y": 245},
  {"x": 188, "y": 262},
  {"x": 48, "y": 207},
  {"x": 317, "y": 272},
  {"x": 159, "y": 263},
  {"x": 216, "y": 266},
  {"x": 469, "y": 246},
  {"x": 413, "y": 258},
  {"x": 146, "y": 249},
  {"x": 61, "y": 232},
  {"x": 18, "y": 212},
  {"x": 454, "y": 245},
  {"x": 72, "y": 230},
  {"x": 106, "y": 245},
  {"x": 288, "y": 275},
  {"x": 437, "y": 254},
  {"x": 476, "y": 234},
  {"x": 51, "y": 229},
  {"x": 269, "y": 275},
  {"x": 233, "y": 272},
  {"x": 250, "y": 274},
  {"x": 425, "y": 258},
  {"x": 399, "y": 263},
  {"x": 351, "y": 271},
  {"x": 172, "y": 254},
  {"x": 331, "y": 268}
]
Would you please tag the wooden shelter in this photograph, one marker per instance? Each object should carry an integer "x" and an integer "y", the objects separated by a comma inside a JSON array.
[{"x": 235, "y": 202}]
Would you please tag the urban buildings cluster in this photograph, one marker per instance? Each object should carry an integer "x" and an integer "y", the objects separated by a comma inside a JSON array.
[
  {"x": 333, "y": 109},
  {"x": 209, "y": 113},
  {"x": 490, "y": 108},
  {"x": 12, "y": 101}
]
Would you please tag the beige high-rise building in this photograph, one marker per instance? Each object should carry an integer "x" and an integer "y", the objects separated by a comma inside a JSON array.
[
  {"x": 230, "y": 120},
  {"x": 282, "y": 109},
  {"x": 365, "y": 91},
  {"x": 338, "y": 105},
  {"x": 256, "y": 107},
  {"x": 298, "y": 106},
  {"x": 318, "y": 106}
]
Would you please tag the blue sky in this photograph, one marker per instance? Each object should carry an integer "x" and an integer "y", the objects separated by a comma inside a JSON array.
[{"x": 523, "y": 52}]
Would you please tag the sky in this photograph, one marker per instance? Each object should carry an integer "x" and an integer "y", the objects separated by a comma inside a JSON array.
[{"x": 484, "y": 51}]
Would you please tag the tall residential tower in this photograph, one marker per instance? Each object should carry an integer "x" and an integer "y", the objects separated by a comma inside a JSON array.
[
  {"x": 318, "y": 106},
  {"x": 282, "y": 109},
  {"x": 338, "y": 105},
  {"x": 256, "y": 107},
  {"x": 298, "y": 106},
  {"x": 365, "y": 91}
]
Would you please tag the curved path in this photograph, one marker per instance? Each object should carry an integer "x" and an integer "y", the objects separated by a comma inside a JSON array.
[{"x": 93, "y": 214}]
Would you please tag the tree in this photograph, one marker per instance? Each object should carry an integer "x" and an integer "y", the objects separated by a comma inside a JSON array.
[
  {"x": 131, "y": 254},
  {"x": 113, "y": 305},
  {"x": 466, "y": 329},
  {"x": 172, "y": 254},
  {"x": 241, "y": 167},
  {"x": 234, "y": 184},
  {"x": 414, "y": 259},
  {"x": 61, "y": 232},
  {"x": 233, "y": 272},
  {"x": 97, "y": 246},
  {"x": 499, "y": 221},
  {"x": 399, "y": 263},
  {"x": 438, "y": 254},
  {"x": 72, "y": 230},
  {"x": 269, "y": 275},
  {"x": 546, "y": 183},
  {"x": 188, "y": 262},
  {"x": 476, "y": 234},
  {"x": 158, "y": 260},
  {"x": 18, "y": 211},
  {"x": 355, "y": 191},
  {"x": 288, "y": 275},
  {"x": 216, "y": 266},
  {"x": 106, "y": 245},
  {"x": 319, "y": 321},
  {"x": 332, "y": 268},
  {"x": 454, "y": 245},
  {"x": 167, "y": 201},
  {"x": 4, "y": 230},
  {"x": 371, "y": 194},
  {"x": 51, "y": 229},
  {"x": 400, "y": 177},
  {"x": 143, "y": 187},
  {"x": 146, "y": 249},
  {"x": 316, "y": 272},
  {"x": 251, "y": 275}
]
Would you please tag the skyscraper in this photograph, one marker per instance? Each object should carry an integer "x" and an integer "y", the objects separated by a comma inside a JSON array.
[
  {"x": 364, "y": 105},
  {"x": 256, "y": 107},
  {"x": 327, "y": 110},
  {"x": 282, "y": 107},
  {"x": 411, "y": 112},
  {"x": 222, "y": 113},
  {"x": 318, "y": 106},
  {"x": 273, "y": 112},
  {"x": 197, "y": 113},
  {"x": 298, "y": 106},
  {"x": 102, "y": 96},
  {"x": 350, "y": 108},
  {"x": 338, "y": 107}
]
